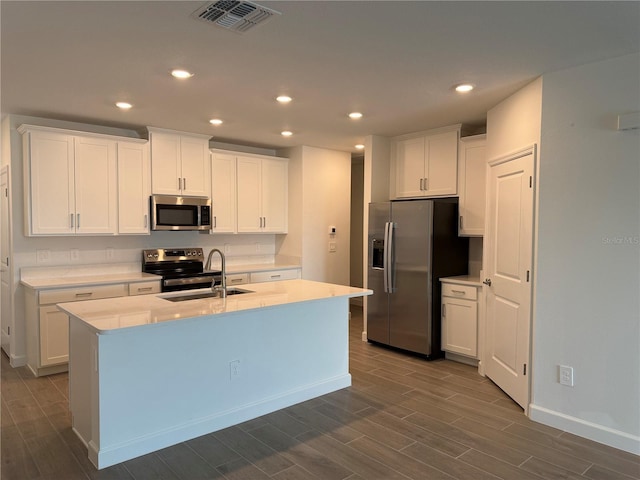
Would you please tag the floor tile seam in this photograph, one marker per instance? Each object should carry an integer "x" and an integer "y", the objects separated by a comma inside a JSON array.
[
  {"x": 623, "y": 475},
  {"x": 416, "y": 458},
  {"x": 272, "y": 451},
  {"x": 67, "y": 447},
  {"x": 438, "y": 434},
  {"x": 215, "y": 467},
  {"x": 621, "y": 454},
  {"x": 521, "y": 450},
  {"x": 496, "y": 460}
]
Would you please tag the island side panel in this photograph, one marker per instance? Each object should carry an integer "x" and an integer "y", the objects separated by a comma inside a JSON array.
[{"x": 163, "y": 385}]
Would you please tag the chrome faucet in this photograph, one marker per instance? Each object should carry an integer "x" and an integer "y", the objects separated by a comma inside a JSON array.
[{"x": 221, "y": 289}]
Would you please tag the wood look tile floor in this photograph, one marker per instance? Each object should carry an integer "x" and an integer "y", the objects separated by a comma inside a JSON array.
[{"x": 403, "y": 418}]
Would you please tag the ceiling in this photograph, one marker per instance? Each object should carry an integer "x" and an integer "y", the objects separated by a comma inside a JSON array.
[{"x": 393, "y": 61}]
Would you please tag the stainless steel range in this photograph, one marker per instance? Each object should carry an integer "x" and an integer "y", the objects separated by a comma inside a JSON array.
[{"x": 180, "y": 268}]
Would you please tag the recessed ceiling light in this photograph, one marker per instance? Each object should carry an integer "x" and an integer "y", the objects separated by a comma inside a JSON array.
[
  {"x": 286, "y": 133},
  {"x": 215, "y": 121},
  {"x": 464, "y": 87},
  {"x": 360, "y": 146},
  {"x": 178, "y": 73},
  {"x": 355, "y": 115},
  {"x": 124, "y": 105},
  {"x": 284, "y": 99}
]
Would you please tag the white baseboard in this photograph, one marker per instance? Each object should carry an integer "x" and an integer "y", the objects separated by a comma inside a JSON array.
[
  {"x": 113, "y": 454},
  {"x": 364, "y": 336},
  {"x": 592, "y": 431},
  {"x": 18, "y": 360}
]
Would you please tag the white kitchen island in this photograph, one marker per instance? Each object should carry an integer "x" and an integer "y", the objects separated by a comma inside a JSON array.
[{"x": 146, "y": 373}]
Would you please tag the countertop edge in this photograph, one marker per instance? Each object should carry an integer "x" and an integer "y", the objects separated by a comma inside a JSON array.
[{"x": 463, "y": 280}]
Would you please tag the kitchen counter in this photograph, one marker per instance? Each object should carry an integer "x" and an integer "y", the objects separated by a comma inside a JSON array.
[
  {"x": 470, "y": 280},
  {"x": 146, "y": 373},
  {"x": 108, "y": 316}
]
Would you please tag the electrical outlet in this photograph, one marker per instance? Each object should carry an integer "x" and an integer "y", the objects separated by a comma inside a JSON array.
[
  {"x": 227, "y": 249},
  {"x": 234, "y": 370},
  {"x": 43, "y": 256},
  {"x": 110, "y": 253},
  {"x": 565, "y": 375},
  {"x": 332, "y": 247},
  {"x": 74, "y": 254}
]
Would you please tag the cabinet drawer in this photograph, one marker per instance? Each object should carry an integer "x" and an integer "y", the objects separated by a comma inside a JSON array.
[
  {"x": 459, "y": 291},
  {"x": 142, "y": 288},
  {"x": 274, "y": 275},
  {"x": 84, "y": 293},
  {"x": 237, "y": 279}
]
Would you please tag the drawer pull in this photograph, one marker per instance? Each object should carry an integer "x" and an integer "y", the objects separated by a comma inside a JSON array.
[
  {"x": 87, "y": 294},
  {"x": 458, "y": 292},
  {"x": 144, "y": 289},
  {"x": 275, "y": 276},
  {"x": 236, "y": 280}
]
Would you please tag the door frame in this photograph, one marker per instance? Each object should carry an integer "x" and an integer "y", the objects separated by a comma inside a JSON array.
[{"x": 531, "y": 149}]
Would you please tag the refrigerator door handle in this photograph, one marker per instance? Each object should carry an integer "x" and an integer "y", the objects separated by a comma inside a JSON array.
[
  {"x": 385, "y": 265},
  {"x": 388, "y": 246}
]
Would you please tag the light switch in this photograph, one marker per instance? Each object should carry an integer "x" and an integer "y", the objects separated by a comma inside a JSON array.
[{"x": 332, "y": 247}]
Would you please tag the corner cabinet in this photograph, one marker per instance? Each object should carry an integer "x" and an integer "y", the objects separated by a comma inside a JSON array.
[
  {"x": 426, "y": 163},
  {"x": 472, "y": 165},
  {"x": 179, "y": 163},
  {"x": 262, "y": 194}
]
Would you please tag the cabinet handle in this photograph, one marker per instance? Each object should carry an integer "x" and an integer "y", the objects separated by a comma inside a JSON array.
[
  {"x": 236, "y": 280},
  {"x": 81, "y": 295},
  {"x": 426, "y": 184},
  {"x": 458, "y": 292},
  {"x": 460, "y": 222},
  {"x": 179, "y": 183},
  {"x": 184, "y": 183},
  {"x": 145, "y": 221},
  {"x": 72, "y": 219},
  {"x": 78, "y": 220},
  {"x": 444, "y": 310},
  {"x": 265, "y": 222},
  {"x": 215, "y": 221},
  {"x": 421, "y": 184},
  {"x": 144, "y": 289},
  {"x": 275, "y": 276}
]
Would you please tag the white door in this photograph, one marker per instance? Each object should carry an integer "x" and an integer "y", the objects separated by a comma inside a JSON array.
[
  {"x": 166, "y": 169},
  {"x": 223, "y": 192},
  {"x": 441, "y": 176},
  {"x": 508, "y": 261},
  {"x": 5, "y": 252},
  {"x": 410, "y": 157},
  {"x": 249, "y": 177},
  {"x": 134, "y": 187},
  {"x": 194, "y": 158},
  {"x": 274, "y": 195}
]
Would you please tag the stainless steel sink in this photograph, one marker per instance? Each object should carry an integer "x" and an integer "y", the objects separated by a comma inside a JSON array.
[{"x": 197, "y": 296}]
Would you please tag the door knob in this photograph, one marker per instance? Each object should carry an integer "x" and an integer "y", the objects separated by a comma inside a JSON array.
[{"x": 487, "y": 281}]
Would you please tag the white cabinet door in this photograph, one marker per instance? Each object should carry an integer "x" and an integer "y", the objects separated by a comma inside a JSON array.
[
  {"x": 134, "y": 188},
  {"x": 95, "y": 186},
  {"x": 54, "y": 336},
  {"x": 460, "y": 326},
  {"x": 166, "y": 169},
  {"x": 249, "y": 194},
  {"x": 410, "y": 172},
  {"x": 472, "y": 165},
  {"x": 194, "y": 158},
  {"x": 274, "y": 195},
  {"x": 51, "y": 181},
  {"x": 179, "y": 164},
  {"x": 441, "y": 164},
  {"x": 223, "y": 192}
]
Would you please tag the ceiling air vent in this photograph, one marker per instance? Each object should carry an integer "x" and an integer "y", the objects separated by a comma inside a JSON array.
[{"x": 234, "y": 15}]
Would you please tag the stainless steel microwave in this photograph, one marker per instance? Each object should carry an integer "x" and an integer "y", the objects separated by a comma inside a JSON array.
[{"x": 171, "y": 212}]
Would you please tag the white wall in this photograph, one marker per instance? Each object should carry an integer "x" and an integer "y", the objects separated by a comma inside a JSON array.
[
  {"x": 588, "y": 270},
  {"x": 319, "y": 196}
]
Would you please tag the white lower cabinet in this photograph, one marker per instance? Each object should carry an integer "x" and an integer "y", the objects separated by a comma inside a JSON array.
[
  {"x": 275, "y": 275},
  {"x": 48, "y": 327},
  {"x": 237, "y": 279},
  {"x": 460, "y": 318}
]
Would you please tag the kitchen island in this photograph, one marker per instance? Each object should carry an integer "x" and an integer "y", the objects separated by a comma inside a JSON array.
[{"x": 146, "y": 372}]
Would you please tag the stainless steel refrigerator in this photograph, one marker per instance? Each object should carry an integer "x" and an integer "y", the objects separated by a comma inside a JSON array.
[{"x": 412, "y": 243}]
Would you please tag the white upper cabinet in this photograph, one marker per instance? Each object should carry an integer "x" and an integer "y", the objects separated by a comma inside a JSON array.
[
  {"x": 262, "y": 194},
  {"x": 134, "y": 188},
  {"x": 426, "y": 164},
  {"x": 179, "y": 163},
  {"x": 472, "y": 164},
  {"x": 223, "y": 192},
  {"x": 72, "y": 184}
]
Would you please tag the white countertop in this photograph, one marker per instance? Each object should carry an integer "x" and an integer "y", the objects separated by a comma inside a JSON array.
[
  {"x": 111, "y": 315},
  {"x": 472, "y": 280},
  {"x": 43, "y": 283}
]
